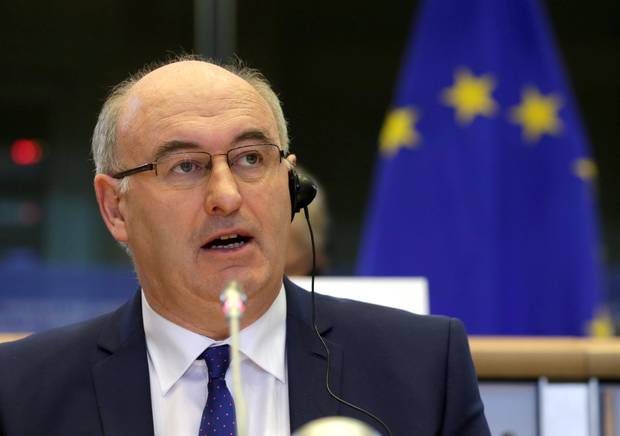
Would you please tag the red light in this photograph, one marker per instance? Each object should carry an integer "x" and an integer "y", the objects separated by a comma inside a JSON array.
[{"x": 26, "y": 152}]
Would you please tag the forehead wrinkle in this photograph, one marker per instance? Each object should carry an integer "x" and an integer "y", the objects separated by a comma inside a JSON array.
[{"x": 166, "y": 105}]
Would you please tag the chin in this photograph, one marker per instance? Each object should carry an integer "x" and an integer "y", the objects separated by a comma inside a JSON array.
[
  {"x": 218, "y": 281},
  {"x": 252, "y": 279},
  {"x": 257, "y": 281}
]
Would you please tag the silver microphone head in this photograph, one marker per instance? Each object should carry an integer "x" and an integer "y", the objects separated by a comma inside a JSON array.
[
  {"x": 233, "y": 300},
  {"x": 336, "y": 426}
]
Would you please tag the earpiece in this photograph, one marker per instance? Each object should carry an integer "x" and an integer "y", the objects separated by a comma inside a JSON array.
[{"x": 302, "y": 190}]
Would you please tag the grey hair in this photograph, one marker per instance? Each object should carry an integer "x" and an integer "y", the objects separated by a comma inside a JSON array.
[{"x": 104, "y": 140}]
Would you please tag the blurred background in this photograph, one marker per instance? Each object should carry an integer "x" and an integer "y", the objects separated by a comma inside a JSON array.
[{"x": 335, "y": 66}]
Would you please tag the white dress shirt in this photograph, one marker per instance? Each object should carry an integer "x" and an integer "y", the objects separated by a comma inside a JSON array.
[{"x": 179, "y": 381}]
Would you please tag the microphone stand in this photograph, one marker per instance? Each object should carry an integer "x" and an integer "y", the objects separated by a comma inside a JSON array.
[{"x": 233, "y": 305}]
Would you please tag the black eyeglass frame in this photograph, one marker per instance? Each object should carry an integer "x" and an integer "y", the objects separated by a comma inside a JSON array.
[{"x": 152, "y": 166}]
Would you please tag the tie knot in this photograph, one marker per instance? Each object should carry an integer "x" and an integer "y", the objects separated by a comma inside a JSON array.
[{"x": 217, "y": 359}]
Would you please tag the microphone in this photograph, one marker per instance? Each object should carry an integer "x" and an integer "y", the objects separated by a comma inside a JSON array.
[
  {"x": 335, "y": 426},
  {"x": 233, "y": 301}
]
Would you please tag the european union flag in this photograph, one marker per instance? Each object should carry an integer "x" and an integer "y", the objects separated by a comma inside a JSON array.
[{"x": 484, "y": 180}]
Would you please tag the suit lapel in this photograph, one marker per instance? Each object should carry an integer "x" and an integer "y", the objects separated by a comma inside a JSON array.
[
  {"x": 121, "y": 375},
  {"x": 307, "y": 361}
]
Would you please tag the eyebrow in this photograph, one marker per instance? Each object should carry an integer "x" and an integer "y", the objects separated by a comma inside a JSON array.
[
  {"x": 251, "y": 134},
  {"x": 173, "y": 146}
]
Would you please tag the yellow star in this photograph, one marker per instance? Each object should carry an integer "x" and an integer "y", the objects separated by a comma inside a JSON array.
[
  {"x": 399, "y": 131},
  {"x": 537, "y": 114},
  {"x": 602, "y": 326},
  {"x": 585, "y": 169},
  {"x": 470, "y": 96}
]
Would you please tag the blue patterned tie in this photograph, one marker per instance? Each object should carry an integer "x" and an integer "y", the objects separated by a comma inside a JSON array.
[{"x": 218, "y": 417}]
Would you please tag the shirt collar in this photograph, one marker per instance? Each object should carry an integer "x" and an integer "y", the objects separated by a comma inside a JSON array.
[{"x": 173, "y": 349}]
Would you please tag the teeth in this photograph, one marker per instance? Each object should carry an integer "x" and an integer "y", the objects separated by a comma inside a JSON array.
[
  {"x": 234, "y": 235},
  {"x": 228, "y": 246}
]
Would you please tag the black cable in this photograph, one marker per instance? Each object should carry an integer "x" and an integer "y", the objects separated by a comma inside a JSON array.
[{"x": 316, "y": 330}]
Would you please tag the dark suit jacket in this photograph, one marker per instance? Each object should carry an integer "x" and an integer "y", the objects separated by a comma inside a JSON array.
[{"x": 414, "y": 372}]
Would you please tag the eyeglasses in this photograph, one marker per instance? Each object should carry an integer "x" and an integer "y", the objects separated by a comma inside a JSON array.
[{"x": 189, "y": 168}]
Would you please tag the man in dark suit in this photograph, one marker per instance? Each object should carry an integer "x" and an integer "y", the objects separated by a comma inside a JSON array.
[{"x": 194, "y": 178}]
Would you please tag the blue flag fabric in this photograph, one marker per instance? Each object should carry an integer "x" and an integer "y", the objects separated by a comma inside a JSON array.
[{"x": 484, "y": 182}]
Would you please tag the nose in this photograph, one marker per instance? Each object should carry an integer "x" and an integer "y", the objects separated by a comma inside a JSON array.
[{"x": 223, "y": 197}]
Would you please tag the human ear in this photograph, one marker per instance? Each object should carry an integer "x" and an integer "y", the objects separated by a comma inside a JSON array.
[
  {"x": 292, "y": 160},
  {"x": 109, "y": 199}
]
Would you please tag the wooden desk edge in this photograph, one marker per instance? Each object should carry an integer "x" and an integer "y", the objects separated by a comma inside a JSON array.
[
  {"x": 508, "y": 357},
  {"x": 497, "y": 357}
]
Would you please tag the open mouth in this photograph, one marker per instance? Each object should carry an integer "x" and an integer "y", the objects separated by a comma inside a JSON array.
[{"x": 227, "y": 242}]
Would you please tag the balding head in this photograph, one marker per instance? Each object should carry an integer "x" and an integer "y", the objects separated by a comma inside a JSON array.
[{"x": 175, "y": 75}]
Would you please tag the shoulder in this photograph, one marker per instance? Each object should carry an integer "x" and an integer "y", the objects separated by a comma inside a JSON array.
[
  {"x": 424, "y": 361},
  {"x": 374, "y": 324},
  {"x": 52, "y": 368},
  {"x": 59, "y": 341},
  {"x": 42, "y": 353},
  {"x": 379, "y": 322},
  {"x": 54, "y": 364}
]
